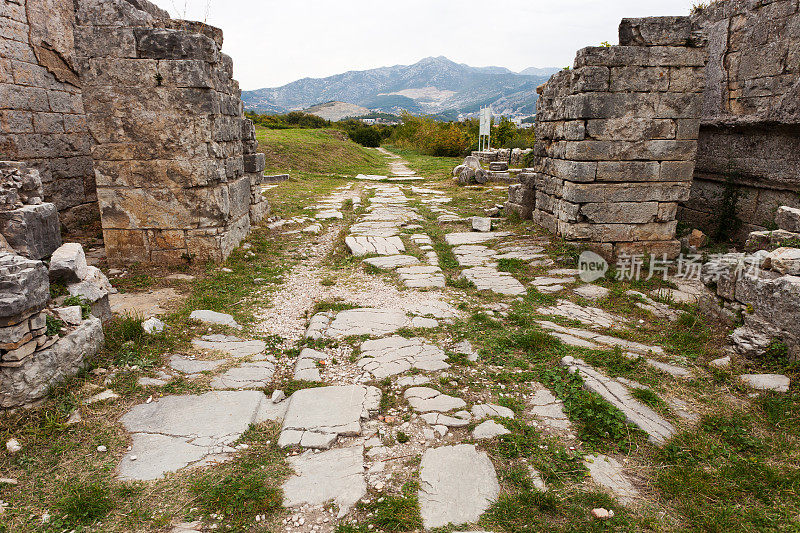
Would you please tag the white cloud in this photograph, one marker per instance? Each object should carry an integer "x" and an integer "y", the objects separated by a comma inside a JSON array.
[{"x": 273, "y": 43}]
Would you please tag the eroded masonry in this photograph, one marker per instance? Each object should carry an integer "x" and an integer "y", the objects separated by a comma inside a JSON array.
[
  {"x": 133, "y": 117},
  {"x": 687, "y": 119}
]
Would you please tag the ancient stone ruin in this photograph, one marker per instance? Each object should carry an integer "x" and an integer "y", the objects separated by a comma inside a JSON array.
[
  {"x": 134, "y": 116},
  {"x": 676, "y": 122}
]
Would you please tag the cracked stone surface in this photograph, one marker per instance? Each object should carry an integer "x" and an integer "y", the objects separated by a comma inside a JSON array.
[
  {"x": 609, "y": 473},
  {"x": 305, "y": 369},
  {"x": 489, "y": 410},
  {"x": 420, "y": 277},
  {"x": 550, "y": 410},
  {"x": 425, "y": 399},
  {"x": 591, "y": 292},
  {"x": 489, "y": 430},
  {"x": 390, "y": 262},
  {"x": 588, "y": 315},
  {"x": 657, "y": 428},
  {"x": 469, "y": 255},
  {"x": 457, "y": 484},
  {"x": 173, "y": 432},
  {"x": 394, "y": 355},
  {"x": 333, "y": 475},
  {"x": 457, "y": 239},
  {"x": 595, "y": 340},
  {"x": 361, "y": 245},
  {"x": 316, "y": 416},
  {"x": 214, "y": 318},
  {"x": 488, "y": 278},
  {"x": 256, "y": 375},
  {"x": 367, "y": 321},
  {"x": 457, "y": 420},
  {"x": 233, "y": 346}
]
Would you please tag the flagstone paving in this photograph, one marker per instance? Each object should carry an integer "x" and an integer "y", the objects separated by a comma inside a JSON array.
[{"x": 392, "y": 326}]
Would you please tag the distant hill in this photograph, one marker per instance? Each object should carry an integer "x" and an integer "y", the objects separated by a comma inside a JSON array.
[
  {"x": 434, "y": 85},
  {"x": 534, "y": 71},
  {"x": 335, "y": 111}
]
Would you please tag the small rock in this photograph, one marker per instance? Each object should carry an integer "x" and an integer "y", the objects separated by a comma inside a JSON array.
[
  {"x": 102, "y": 449},
  {"x": 8, "y": 481},
  {"x": 602, "y": 514},
  {"x": 482, "y": 224},
  {"x": 153, "y": 325},
  {"x": 72, "y": 315},
  {"x": 769, "y": 382},
  {"x": 278, "y": 396},
  {"x": 13, "y": 446},
  {"x": 722, "y": 362},
  {"x": 697, "y": 238},
  {"x": 74, "y": 418}
]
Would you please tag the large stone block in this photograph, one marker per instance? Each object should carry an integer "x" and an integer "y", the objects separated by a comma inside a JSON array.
[
  {"x": 33, "y": 230},
  {"x": 31, "y": 380},
  {"x": 788, "y": 219},
  {"x": 24, "y": 287},
  {"x": 620, "y": 212},
  {"x": 254, "y": 163},
  {"x": 656, "y": 31},
  {"x": 157, "y": 43},
  {"x": 68, "y": 263},
  {"x": 624, "y": 192}
]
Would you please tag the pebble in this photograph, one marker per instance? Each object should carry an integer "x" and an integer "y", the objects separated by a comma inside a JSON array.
[
  {"x": 602, "y": 514},
  {"x": 102, "y": 449},
  {"x": 13, "y": 446}
]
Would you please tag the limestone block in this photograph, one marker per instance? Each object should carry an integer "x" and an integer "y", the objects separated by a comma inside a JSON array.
[
  {"x": 33, "y": 230},
  {"x": 156, "y": 43},
  {"x": 620, "y": 212},
  {"x": 68, "y": 263},
  {"x": 788, "y": 219},
  {"x": 783, "y": 260},
  {"x": 607, "y": 192},
  {"x": 24, "y": 286},
  {"x": 30, "y": 381},
  {"x": 254, "y": 163},
  {"x": 655, "y": 31}
]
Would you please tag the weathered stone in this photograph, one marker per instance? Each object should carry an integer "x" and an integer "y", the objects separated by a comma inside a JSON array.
[
  {"x": 609, "y": 474},
  {"x": 336, "y": 410},
  {"x": 176, "y": 431},
  {"x": 192, "y": 366},
  {"x": 26, "y": 383},
  {"x": 550, "y": 410},
  {"x": 336, "y": 475},
  {"x": 481, "y": 224},
  {"x": 233, "y": 346},
  {"x": 255, "y": 375},
  {"x": 457, "y": 484},
  {"x": 488, "y": 410},
  {"x": 425, "y": 399},
  {"x": 489, "y": 430},
  {"x": 24, "y": 287},
  {"x": 32, "y": 230},
  {"x": 489, "y": 278},
  {"x": 788, "y": 219},
  {"x": 768, "y": 382},
  {"x": 72, "y": 315},
  {"x": 215, "y": 318},
  {"x": 783, "y": 260},
  {"x": 68, "y": 263},
  {"x": 394, "y": 355}
]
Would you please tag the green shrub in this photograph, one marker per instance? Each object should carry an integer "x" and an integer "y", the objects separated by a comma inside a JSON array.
[
  {"x": 80, "y": 301},
  {"x": 366, "y": 136},
  {"x": 84, "y": 502}
]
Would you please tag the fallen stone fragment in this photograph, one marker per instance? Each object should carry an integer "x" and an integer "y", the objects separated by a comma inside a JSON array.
[
  {"x": 215, "y": 318},
  {"x": 153, "y": 325},
  {"x": 608, "y": 473},
  {"x": 68, "y": 263},
  {"x": 767, "y": 382},
  {"x": 722, "y": 362},
  {"x": 489, "y": 430},
  {"x": 336, "y": 475},
  {"x": 72, "y": 315},
  {"x": 457, "y": 484},
  {"x": 100, "y": 397},
  {"x": 482, "y": 224},
  {"x": 602, "y": 514}
]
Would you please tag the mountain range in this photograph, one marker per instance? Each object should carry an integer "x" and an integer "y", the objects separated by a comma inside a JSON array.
[{"x": 434, "y": 85}]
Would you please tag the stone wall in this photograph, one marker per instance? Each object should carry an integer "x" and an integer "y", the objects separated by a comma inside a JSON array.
[
  {"x": 121, "y": 107},
  {"x": 750, "y": 130},
  {"x": 166, "y": 116},
  {"x": 42, "y": 117},
  {"x": 616, "y": 139}
]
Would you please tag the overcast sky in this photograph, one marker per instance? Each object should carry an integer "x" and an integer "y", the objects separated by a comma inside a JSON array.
[{"x": 276, "y": 42}]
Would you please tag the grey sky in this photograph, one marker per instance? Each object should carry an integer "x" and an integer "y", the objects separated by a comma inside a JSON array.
[{"x": 276, "y": 42}]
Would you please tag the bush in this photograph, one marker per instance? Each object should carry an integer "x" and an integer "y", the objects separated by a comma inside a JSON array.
[{"x": 366, "y": 136}]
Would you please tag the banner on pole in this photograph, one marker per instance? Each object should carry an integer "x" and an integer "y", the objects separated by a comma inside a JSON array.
[{"x": 486, "y": 121}]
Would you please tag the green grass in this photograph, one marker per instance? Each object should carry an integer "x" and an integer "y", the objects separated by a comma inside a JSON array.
[
  {"x": 317, "y": 151},
  {"x": 425, "y": 165}
]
